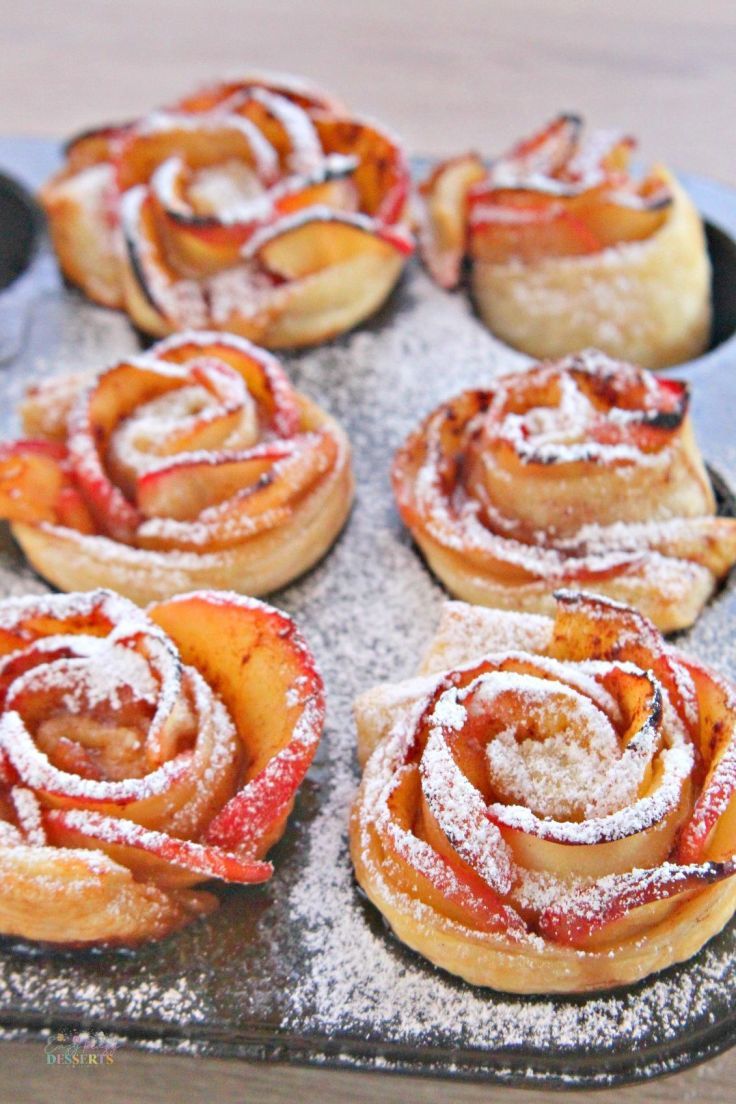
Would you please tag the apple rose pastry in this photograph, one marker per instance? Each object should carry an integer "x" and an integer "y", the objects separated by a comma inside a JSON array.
[
  {"x": 142, "y": 754},
  {"x": 554, "y": 812},
  {"x": 258, "y": 206},
  {"x": 568, "y": 250},
  {"x": 194, "y": 465},
  {"x": 584, "y": 473}
]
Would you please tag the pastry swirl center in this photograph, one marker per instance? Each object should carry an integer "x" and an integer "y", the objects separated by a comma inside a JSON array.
[{"x": 553, "y": 750}]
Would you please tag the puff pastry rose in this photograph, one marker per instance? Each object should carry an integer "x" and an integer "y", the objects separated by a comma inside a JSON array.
[
  {"x": 584, "y": 473},
  {"x": 550, "y": 807},
  {"x": 259, "y": 206},
  {"x": 193, "y": 465},
  {"x": 142, "y": 754},
  {"x": 567, "y": 250}
]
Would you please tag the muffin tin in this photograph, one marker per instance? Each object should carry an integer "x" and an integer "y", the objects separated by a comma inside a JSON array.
[{"x": 301, "y": 969}]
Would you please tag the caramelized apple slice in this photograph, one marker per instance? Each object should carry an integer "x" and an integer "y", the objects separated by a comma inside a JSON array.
[
  {"x": 331, "y": 184},
  {"x": 35, "y": 485},
  {"x": 91, "y": 147},
  {"x": 621, "y": 217},
  {"x": 588, "y": 626},
  {"x": 435, "y": 877},
  {"x": 158, "y": 299},
  {"x": 200, "y": 142},
  {"x": 711, "y": 831},
  {"x": 201, "y": 244},
  {"x": 114, "y": 396},
  {"x": 547, "y": 150},
  {"x": 183, "y": 490},
  {"x": 601, "y": 155},
  {"x": 304, "y": 244},
  {"x": 150, "y": 854},
  {"x": 254, "y": 656},
  {"x": 254, "y": 508},
  {"x": 285, "y": 125},
  {"x": 499, "y": 234},
  {"x": 73, "y": 512},
  {"x": 263, "y": 375},
  {"x": 198, "y": 244},
  {"x": 382, "y": 175},
  {"x": 443, "y": 228},
  {"x": 298, "y": 91},
  {"x": 31, "y": 479},
  {"x": 106, "y": 473},
  {"x": 618, "y": 895}
]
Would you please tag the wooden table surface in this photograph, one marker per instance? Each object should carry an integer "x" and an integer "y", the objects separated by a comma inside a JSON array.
[{"x": 447, "y": 75}]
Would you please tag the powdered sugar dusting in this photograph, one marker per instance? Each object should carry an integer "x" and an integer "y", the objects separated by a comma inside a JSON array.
[
  {"x": 559, "y": 776},
  {"x": 304, "y": 954}
]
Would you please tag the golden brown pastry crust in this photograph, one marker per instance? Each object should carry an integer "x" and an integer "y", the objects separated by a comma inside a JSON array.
[
  {"x": 582, "y": 473},
  {"x": 254, "y": 497},
  {"x": 142, "y": 754},
  {"x": 470, "y": 875},
  {"x": 569, "y": 251},
  {"x": 259, "y": 207},
  {"x": 647, "y": 302}
]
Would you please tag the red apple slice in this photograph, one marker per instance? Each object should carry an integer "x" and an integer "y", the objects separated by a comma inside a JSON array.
[
  {"x": 588, "y": 626},
  {"x": 298, "y": 91},
  {"x": 500, "y": 234},
  {"x": 318, "y": 238},
  {"x": 617, "y": 217},
  {"x": 382, "y": 174},
  {"x": 158, "y": 298},
  {"x": 73, "y": 512},
  {"x": 620, "y": 894},
  {"x": 443, "y": 229},
  {"x": 711, "y": 830},
  {"x": 199, "y": 243},
  {"x": 258, "y": 663},
  {"x": 253, "y": 509},
  {"x": 104, "y": 475},
  {"x": 98, "y": 412},
  {"x": 330, "y": 184},
  {"x": 263, "y": 375},
  {"x": 131, "y": 845},
  {"x": 547, "y": 150},
  {"x": 183, "y": 490},
  {"x": 31, "y": 479},
  {"x": 433, "y": 877},
  {"x": 200, "y": 141},
  {"x": 602, "y": 153},
  {"x": 286, "y": 125},
  {"x": 210, "y": 427}
]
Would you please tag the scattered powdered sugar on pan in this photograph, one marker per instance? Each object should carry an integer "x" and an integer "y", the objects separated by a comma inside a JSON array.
[
  {"x": 360, "y": 983},
  {"x": 303, "y": 959}
]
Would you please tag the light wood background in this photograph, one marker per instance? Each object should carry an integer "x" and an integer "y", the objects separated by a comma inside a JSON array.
[{"x": 446, "y": 74}]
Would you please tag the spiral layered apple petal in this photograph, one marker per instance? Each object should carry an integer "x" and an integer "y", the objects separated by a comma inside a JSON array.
[
  {"x": 157, "y": 216},
  {"x": 195, "y": 464},
  {"x": 142, "y": 754},
  {"x": 554, "y": 812},
  {"x": 583, "y": 472},
  {"x": 568, "y": 249}
]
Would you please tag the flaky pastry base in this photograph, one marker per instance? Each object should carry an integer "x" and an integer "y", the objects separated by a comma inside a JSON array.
[
  {"x": 76, "y": 561},
  {"x": 485, "y": 958},
  {"x": 647, "y": 302}
]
